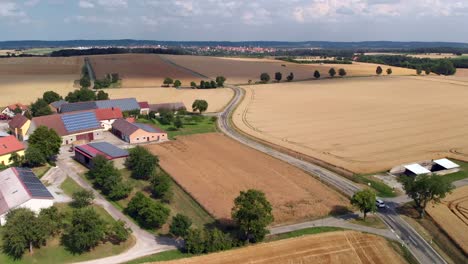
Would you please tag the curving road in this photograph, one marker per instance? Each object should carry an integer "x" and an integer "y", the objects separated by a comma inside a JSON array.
[{"x": 407, "y": 235}]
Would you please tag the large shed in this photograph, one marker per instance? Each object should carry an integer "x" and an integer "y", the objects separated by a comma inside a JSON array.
[
  {"x": 137, "y": 133},
  {"x": 415, "y": 169},
  {"x": 85, "y": 153}
]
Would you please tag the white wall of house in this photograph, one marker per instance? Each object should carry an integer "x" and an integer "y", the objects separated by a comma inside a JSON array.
[
  {"x": 35, "y": 205},
  {"x": 70, "y": 139},
  {"x": 107, "y": 124}
]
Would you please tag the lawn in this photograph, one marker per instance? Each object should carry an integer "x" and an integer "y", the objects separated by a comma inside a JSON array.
[
  {"x": 69, "y": 186},
  {"x": 381, "y": 189},
  {"x": 53, "y": 252},
  {"x": 193, "y": 124},
  {"x": 41, "y": 170},
  {"x": 163, "y": 256},
  {"x": 460, "y": 175},
  {"x": 371, "y": 221}
]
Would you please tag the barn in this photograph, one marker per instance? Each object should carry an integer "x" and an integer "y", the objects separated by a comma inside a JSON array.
[
  {"x": 85, "y": 153},
  {"x": 137, "y": 133},
  {"x": 415, "y": 170},
  {"x": 20, "y": 188}
]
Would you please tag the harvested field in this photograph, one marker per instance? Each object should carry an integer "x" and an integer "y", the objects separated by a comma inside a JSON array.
[
  {"x": 452, "y": 216},
  {"x": 335, "y": 247},
  {"x": 217, "y": 98},
  {"x": 214, "y": 169},
  {"x": 361, "y": 124},
  {"x": 240, "y": 71},
  {"x": 140, "y": 70},
  {"x": 25, "y": 79}
]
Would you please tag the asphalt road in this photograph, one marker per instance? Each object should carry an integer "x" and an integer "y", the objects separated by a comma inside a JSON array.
[{"x": 416, "y": 244}]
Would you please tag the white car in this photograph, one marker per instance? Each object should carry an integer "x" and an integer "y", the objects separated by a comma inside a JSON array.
[{"x": 379, "y": 203}]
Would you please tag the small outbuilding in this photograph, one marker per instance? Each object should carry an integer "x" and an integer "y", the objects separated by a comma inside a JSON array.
[
  {"x": 137, "y": 132},
  {"x": 415, "y": 169},
  {"x": 21, "y": 188},
  {"x": 85, "y": 153},
  {"x": 444, "y": 164}
]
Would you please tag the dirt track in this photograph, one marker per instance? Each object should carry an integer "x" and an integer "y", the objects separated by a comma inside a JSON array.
[
  {"x": 452, "y": 216},
  {"x": 361, "y": 124},
  {"x": 214, "y": 169},
  {"x": 336, "y": 247}
]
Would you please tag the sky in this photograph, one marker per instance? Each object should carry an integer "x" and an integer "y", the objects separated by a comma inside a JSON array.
[{"x": 235, "y": 20}]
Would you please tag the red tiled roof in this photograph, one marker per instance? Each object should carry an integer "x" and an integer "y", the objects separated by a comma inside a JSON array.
[
  {"x": 51, "y": 121},
  {"x": 18, "y": 121},
  {"x": 9, "y": 145},
  {"x": 14, "y": 106},
  {"x": 108, "y": 113},
  {"x": 143, "y": 104}
]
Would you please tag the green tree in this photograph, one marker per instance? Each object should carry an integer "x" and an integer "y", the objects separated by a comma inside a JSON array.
[
  {"x": 427, "y": 71},
  {"x": 22, "y": 231},
  {"x": 85, "y": 82},
  {"x": 166, "y": 116},
  {"x": 82, "y": 198},
  {"x": 278, "y": 76},
  {"x": 378, "y": 70},
  {"x": 177, "y": 84},
  {"x": 46, "y": 140},
  {"x": 51, "y": 96},
  {"x": 142, "y": 163},
  {"x": 16, "y": 160},
  {"x": 200, "y": 105},
  {"x": 290, "y": 77},
  {"x": 202, "y": 85},
  {"x": 316, "y": 74},
  {"x": 216, "y": 240},
  {"x": 265, "y": 77},
  {"x": 252, "y": 213},
  {"x": 389, "y": 71},
  {"x": 168, "y": 81},
  {"x": 365, "y": 201},
  {"x": 213, "y": 84},
  {"x": 81, "y": 95},
  {"x": 51, "y": 220},
  {"x": 108, "y": 178},
  {"x": 161, "y": 187},
  {"x": 193, "y": 85},
  {"x": 342, "y": 72},
  {"x": 418, "y": 71},
  {"x": 117, "y": 232},
  {"x": 220, "y": 81},
  {"x": 40, "y": 108},
  {"x": 147, "y": 212},
  {"x": 445, "y": 67},
  {"x": 424, "y": 189},
  {"x": 180, "y": 225},
  {"x": 85, "y": 231},
  {"x": 195, "y": 241},
  {"x": 332, "y": 72},
  {"x": 33, "y": 157},
  {"x": 101, "y": 95},
  {"x": 178, "y": 122}
]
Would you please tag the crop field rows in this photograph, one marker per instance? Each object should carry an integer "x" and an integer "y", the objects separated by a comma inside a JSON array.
[
  {"x": 336, "y": 247},
  {"x": 452, "y": 216}
]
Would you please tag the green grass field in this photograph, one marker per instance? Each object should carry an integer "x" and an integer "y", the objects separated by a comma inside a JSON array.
[
  {"x": 40, "y": 51},
  {"x": 163, "y": 256},
  {"x": 371, "y": 221},
  {"x": 193, "y": 124},
  {"x": 460, "y": 175},
  {"x": 381, "y": 189},
  {"x": 69, "y": 186}
]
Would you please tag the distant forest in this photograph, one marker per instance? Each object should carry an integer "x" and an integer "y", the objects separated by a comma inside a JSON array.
[{"x": 88, "y": 52}]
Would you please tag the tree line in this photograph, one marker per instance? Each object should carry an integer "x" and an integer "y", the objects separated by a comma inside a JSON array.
[
  {"x": 218, "y": 82},
  {"x": 104, "y": 51}
]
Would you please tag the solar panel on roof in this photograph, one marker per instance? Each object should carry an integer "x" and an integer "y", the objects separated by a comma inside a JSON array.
[
  {"x": 109, "y": 149},
  {"x": 126, "y": 104},
  {"x": 72, "y": 107},
  {"x": 80, "y": 121},
  {"x": 33, "y": 184},
  {"x": 146, "y": 127}
]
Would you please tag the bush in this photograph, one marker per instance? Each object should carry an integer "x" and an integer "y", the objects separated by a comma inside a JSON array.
[
  {"x": 117, "y": 232},
  {"x": 265, "y": 77},
  {"x": 82, "y": 198},
  {"x": 180, "y": 225},
  {"x": 142, "y": 163},
  {"x": 147, "y": 212},
  {"x": 161, "y": 187}
]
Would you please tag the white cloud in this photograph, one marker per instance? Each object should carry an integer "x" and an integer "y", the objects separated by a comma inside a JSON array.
[
  {"x": 10, "y": 9},
  {"x": 98, "y": 20},
  {"x": 85, "y": 4},
  {"x": 31, "y": 3},
  {"x": 108, "y": 4}
]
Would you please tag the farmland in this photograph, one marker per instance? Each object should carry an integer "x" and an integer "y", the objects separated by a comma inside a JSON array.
[
  {"x": 452, "y": 216},
  {"x": 216, "y": 98},
  {"x": 139, "y": 70},
  {"x": 241, "y": 70},
  {"x": 334, "y": 247},
  {"x": 25, "y": 79},
  {"x": 214, "y": 169},
  {"x": 362, "y": 124}
]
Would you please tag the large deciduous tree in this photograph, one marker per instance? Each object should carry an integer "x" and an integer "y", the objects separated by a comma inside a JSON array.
[
  {"x": 378, "y": 70},
  {"x": 278, "y": 76},
  {"x": 252, "y": 213},
  {"x": 220, "y": 81},
  {"x": 40, "y": 108},
  {"x": 316, "y": 74},
  {"x": 365, "y": 201},
  {"x": 332, "y": 72},
  {"x": 46, "y": 140},
  {"x": 265, "y": 77},
  {"x": 200, "y": 106},
  {"x": 424, "y": 189},
  {"x": 180, "y": 225},
  {"x": 51, "y": 96},
  {"x": 142, "y": 163},
  {"x": 147, "y": 212}
]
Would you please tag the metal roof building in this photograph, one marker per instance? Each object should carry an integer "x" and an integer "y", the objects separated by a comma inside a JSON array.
[
  {"x": 416, "y": 169},
  {"x": 85, "y": 153},
  {"x": 446, "y": 164},
  {"x": 136, "y": 132},
  {"x": 20, "y": 187},
  {"x": 125, "y": 104}
]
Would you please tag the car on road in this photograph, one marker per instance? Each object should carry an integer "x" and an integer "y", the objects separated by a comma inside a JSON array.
[{"x": 379, "y": 203}]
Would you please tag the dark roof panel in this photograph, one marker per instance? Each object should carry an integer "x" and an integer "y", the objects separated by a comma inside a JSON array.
[
  {"x": 81, "y": 106},
  {"x": 35, "y": 187},
  {"x": 109, "y": 149},
  {"x": 126, "y": 104},
  {"x": 80, "y": 121}
]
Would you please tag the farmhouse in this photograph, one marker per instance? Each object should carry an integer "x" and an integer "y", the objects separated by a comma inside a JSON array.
[
  {"x": 19, "y": 127},
  {"x": 107, "y": 116},
  {"x": 85, "y": 153},
  {"x": 20, "y": 188},
  {"x": 169, "y": 106},
  {"x": 136, "y": 132},
  {"x": 8, "y": 146},
  {"x": 144, "y": 108},
  {"x": 71, "y": 127},
  {"x": 126, "y": 104},
  {"x": 14, "y": 109}
]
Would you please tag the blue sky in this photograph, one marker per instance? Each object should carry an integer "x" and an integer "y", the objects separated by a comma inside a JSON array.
[{"x": 234, "y": 20}]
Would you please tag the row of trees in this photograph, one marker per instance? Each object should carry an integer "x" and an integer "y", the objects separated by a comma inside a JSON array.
[
  {"x": 107, "y": 178},
  {"x": 438, "y": 66},
  {"x": 218, "y": 82}
]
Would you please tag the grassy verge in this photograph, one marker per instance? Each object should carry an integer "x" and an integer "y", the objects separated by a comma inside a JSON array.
[
  {"x": 459, "y": 175},
  {"x": 371, "y": 221},
  {"x": 382, "y": 189},
  {"x": 403, "y": 251},
  {"x": 163, "y": 256},
  {"x": 41, "y": 170},
  {"x": 193, "y": 124},
  {"x": 69, "y": 186}
]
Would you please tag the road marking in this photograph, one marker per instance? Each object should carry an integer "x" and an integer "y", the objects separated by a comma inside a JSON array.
[{"x": 412, "y": 240}]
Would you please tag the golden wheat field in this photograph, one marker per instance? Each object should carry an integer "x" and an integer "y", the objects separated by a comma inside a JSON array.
[
  {"x": 241, "y": 70},
  {"x": 217, "y": 98},
  {"x": 334, "y": 247},
  {"x": 452, "y": 216},
  {"x": 361, "y": 124},
  {"x": 25, "y": 79}
]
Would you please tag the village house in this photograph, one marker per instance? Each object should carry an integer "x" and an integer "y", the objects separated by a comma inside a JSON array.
[
  {"x": 137, "y": 132},
  {"x": 144, "y": 108},
  {"x": 125, "y": 105},
  {"x": 107, "y": 117},
  {"x": 20, "y": 188},
  {"x": 19, "y": 127},
  {"x": 14, "y": 109},
  {"x": 8, "y": 146}
]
